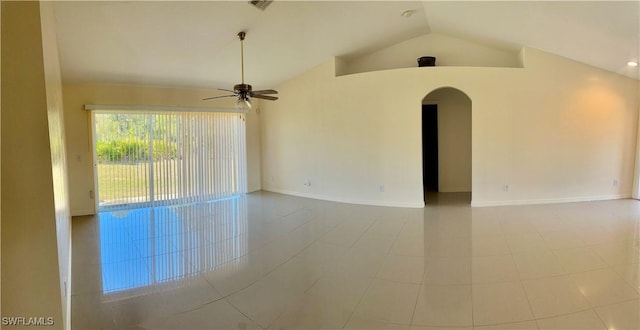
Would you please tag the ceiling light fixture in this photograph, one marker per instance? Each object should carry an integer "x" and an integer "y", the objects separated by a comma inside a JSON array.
[
  {"x": 243, "y": 103},
  {"x": 632, "y": 63},
  {"x": 408, "y": 13}
]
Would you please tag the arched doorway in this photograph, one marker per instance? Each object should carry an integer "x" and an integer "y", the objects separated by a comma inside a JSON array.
[{"x": 446, "y": 146}]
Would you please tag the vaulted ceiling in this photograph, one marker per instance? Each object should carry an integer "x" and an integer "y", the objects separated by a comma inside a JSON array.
[{"x": 194, "y": 44}]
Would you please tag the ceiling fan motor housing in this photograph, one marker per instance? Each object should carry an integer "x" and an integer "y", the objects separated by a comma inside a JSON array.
[{"x": 242, "y": 88}]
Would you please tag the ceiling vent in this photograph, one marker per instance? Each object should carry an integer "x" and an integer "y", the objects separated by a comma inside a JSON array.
[{"x": 261, "y": 4}]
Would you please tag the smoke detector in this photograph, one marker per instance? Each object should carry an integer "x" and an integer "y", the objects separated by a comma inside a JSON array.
[{"x": 261, "y": 4}]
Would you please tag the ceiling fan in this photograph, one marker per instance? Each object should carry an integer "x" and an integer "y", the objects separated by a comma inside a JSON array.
[{"x": 243, "y": 91}]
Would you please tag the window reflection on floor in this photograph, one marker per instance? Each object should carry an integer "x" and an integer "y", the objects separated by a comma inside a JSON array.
[{"x": 148, "y": 247}]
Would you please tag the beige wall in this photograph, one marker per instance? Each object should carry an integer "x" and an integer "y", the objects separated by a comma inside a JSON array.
[
  {"x": 0, "y": 162},
  {"x": 55, "y": 115},
  {"x": 449, "y": 51},
  {"x": 79, "y": 144},
  {"x": 35, "y": 227},
  {"x": 636, "y": 173},
  {"x": 555, "y": 130},
  {"x": 454, "y": 139}
]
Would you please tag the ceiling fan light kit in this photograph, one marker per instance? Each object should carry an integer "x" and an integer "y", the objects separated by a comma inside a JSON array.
[
  {"x": 242, "y": 91},
  {"x": 243, "y": 103}
]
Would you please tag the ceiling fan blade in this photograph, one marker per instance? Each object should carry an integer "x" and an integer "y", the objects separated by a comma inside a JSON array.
[
  {"x": 266, "y": 97},
  {"x": 265, "y": 91},
  {"x": 226, "y": 90},
  {"x": 217, "y": 97}
]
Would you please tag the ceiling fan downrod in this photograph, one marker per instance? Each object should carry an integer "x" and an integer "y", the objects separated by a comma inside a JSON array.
[{"x": 241, "y": 36}]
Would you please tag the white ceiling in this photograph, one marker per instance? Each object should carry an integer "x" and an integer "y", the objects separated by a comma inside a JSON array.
[{"x": 194, "y": 44}]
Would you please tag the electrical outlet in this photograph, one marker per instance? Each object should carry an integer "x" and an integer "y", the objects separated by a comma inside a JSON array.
[
  {"x": 91, "y": 194},
  {"x": 307, "y": 183},
  {"x": 505, "y": 187},
  {"x": 615, "y": 183},
  {"x": 381, "y": 188}
]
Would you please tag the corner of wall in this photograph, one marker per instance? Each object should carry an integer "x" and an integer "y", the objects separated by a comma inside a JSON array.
[
  {"x": 55, "y": 116},
  {"x": 522, "y": 57},
  {"x": 341, "y": 66}
]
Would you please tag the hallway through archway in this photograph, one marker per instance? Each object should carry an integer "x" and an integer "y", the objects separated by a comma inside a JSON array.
[{"x": 446, "y": 145}]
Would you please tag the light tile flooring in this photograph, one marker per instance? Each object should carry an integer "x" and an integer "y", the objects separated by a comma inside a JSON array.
[{"x": 270, "y": 261}]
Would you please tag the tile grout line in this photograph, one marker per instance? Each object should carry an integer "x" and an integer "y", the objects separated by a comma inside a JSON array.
[
  {"x": 521, "y": 284},
  {"x": 473, "y": 320},
  {"x": 421, "y": 284},
  {"x": 561, "y": 315},
  {"x": 245, "y": 315},
  {"x": 370, "y": 282}
]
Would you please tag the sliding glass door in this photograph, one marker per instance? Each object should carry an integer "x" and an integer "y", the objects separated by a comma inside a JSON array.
[{"x": 165, "y": 158}]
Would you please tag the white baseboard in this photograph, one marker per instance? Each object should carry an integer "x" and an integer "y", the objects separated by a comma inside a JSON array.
[
  {"x": 78, "y": 213},
  {"x": 454, "y": 189},
  {"x": 419, "y": 204},
  {"x": 550, "y": 201}
]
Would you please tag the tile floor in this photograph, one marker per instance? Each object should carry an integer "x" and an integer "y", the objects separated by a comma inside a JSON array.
[{"x": 270, "y": 261}]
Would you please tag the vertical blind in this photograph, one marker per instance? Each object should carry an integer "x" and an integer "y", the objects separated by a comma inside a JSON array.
[{"x": 168, "y": 157}]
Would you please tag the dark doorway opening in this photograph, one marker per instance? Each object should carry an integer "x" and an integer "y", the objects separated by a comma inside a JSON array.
[
  {"x": 429, "y": 148},
  {"x": 446, "y": 147}
]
